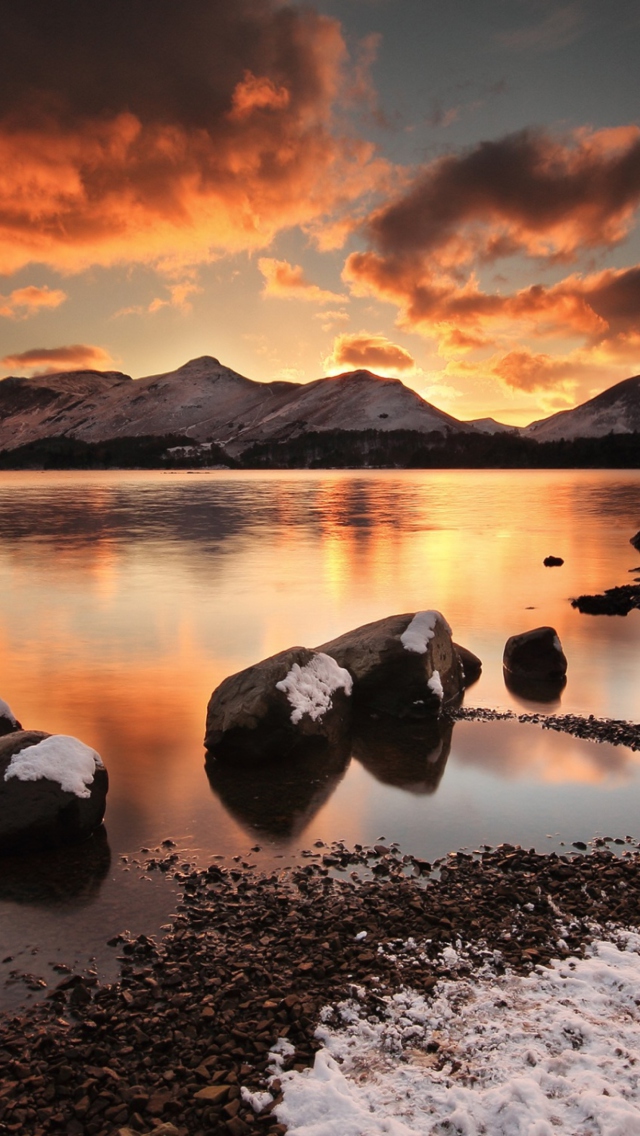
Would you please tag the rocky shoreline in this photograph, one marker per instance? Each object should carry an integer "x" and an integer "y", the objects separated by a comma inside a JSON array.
[{"x": 178, "y": 1045}]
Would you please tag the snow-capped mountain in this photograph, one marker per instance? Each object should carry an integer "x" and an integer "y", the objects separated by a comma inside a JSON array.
[
  {"x": 207, "y": 401},
  {"x": 614, "y": 411}
]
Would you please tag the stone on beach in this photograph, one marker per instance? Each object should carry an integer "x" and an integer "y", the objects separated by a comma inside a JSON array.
[
  {"x": 53, "y": 790},
  {"x": 279, "y": 706}
]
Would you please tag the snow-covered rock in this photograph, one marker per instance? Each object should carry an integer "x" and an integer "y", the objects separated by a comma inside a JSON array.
[
  {"x": 394, "y": 662},
  {"x": 53, "y": 790},
  {"x": 275, "y": 707}
]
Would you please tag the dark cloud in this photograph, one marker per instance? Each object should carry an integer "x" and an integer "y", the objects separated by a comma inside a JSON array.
[
  {"x": 142, "y": 129},
  {"x": 162, "y": 60},
  {"x": 525, "y": 192}
]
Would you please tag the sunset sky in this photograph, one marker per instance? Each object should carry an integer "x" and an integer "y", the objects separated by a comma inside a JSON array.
[{"x": 444, "y": 191}]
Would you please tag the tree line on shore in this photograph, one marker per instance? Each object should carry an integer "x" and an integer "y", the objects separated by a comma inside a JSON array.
[{"x": 334, "y": 449}]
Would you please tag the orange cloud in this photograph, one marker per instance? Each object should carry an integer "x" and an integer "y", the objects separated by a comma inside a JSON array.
[
  {"x": 289, "y": 281},
  {"x": 429, "y": 269},
  {"x": 202, "y": 130},
  {"x": 76, "y": 357},
  {"x": 23, "y": 302},
  {"x": 366, "y": 350}
]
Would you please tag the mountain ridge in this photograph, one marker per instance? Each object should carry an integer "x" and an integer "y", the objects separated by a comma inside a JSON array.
[{"x": 207, "y": 402}]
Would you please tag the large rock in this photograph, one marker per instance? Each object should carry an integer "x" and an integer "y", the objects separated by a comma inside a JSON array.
[
  {"x": 279, "y": 706},
  {"x": 53, "y": 790},
  {"x": 535, "y": 657},
  {"x": 404, "y": 665}
]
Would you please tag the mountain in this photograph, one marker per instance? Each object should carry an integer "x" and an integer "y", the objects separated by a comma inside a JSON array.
[
  {"x": 207, "y": 402},
  {"x": 204, "y": 401},
  {"x": 614, "y": 411},
  {"x": 490, "y": 426}
]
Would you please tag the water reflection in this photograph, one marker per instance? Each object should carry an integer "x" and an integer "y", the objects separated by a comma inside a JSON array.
[
  {"x": 412, "y": 755},
  {"x": 278, "y": 799},
  {"x": 63, "y": 876},
  {"x": 533, "y": 691}
]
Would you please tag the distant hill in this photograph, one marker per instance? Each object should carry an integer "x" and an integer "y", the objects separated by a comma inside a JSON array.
[
  {"x": 212, "y": 413},
  {"x": 614, "y": 411},
  {"x": 207, "y": 402},
  {"x": 490, "y": 426}
]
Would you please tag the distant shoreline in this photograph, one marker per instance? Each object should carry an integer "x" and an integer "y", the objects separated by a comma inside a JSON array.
[{"x": 331, "y": 449}]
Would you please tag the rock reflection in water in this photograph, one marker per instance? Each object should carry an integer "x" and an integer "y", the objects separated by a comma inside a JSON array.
[
  {"x": 410, "y": 754},
  {"x": 529, "y": 690},
  {"x": 278, "y": 799},
  {"x": 71, "y": 875}
]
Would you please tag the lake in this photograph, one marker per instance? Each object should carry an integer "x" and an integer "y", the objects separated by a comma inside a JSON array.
[{"x": 128, "y": 596}]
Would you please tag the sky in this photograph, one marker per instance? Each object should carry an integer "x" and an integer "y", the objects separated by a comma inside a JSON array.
[{"x": 442, "y": 191}]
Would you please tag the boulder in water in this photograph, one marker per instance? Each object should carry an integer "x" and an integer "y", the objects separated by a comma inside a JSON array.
[
  {"x": 535, "y": 656},
  {"x": 404, "y": 665},
  {"x": 53, "y": 790},
  {"x": 279, "y": 706}
]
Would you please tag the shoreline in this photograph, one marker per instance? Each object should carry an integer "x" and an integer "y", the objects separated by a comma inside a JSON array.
[{"x": 253, "y": 957}]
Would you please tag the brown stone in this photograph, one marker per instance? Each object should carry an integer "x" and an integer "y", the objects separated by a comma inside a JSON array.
[{"x": 212, "y": 1094}]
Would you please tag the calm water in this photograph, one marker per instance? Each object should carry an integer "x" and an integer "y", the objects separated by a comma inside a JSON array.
[{"x": 127, "y": 597}]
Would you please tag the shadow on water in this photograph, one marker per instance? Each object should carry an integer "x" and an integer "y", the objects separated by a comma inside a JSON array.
[
  {"x": 410, "y": 755},
  {"x": 278, "y": 799},
  {"x": 63, "y": 876}
]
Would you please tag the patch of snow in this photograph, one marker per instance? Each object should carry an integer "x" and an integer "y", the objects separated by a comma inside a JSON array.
[
  {"x": 360, "y": 936},
  {"x": 435, "y": 684},
  {"x": 280, "y": 1051},
  {"x": 552, "y": 1054},
  {"x": 58, "y": 758},
  {"x": 421, "y": 631},
  {"x": 309, "y": 688},
  {"x": 257, "y": 1101},
  {"x": 7, "y": 712}
]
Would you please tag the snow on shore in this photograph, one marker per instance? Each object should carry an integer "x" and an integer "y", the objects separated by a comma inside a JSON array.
[{"x": 556, "y": 1053}]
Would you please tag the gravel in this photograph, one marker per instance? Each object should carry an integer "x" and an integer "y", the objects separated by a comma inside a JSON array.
[{"x": 253, "y": 957}]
